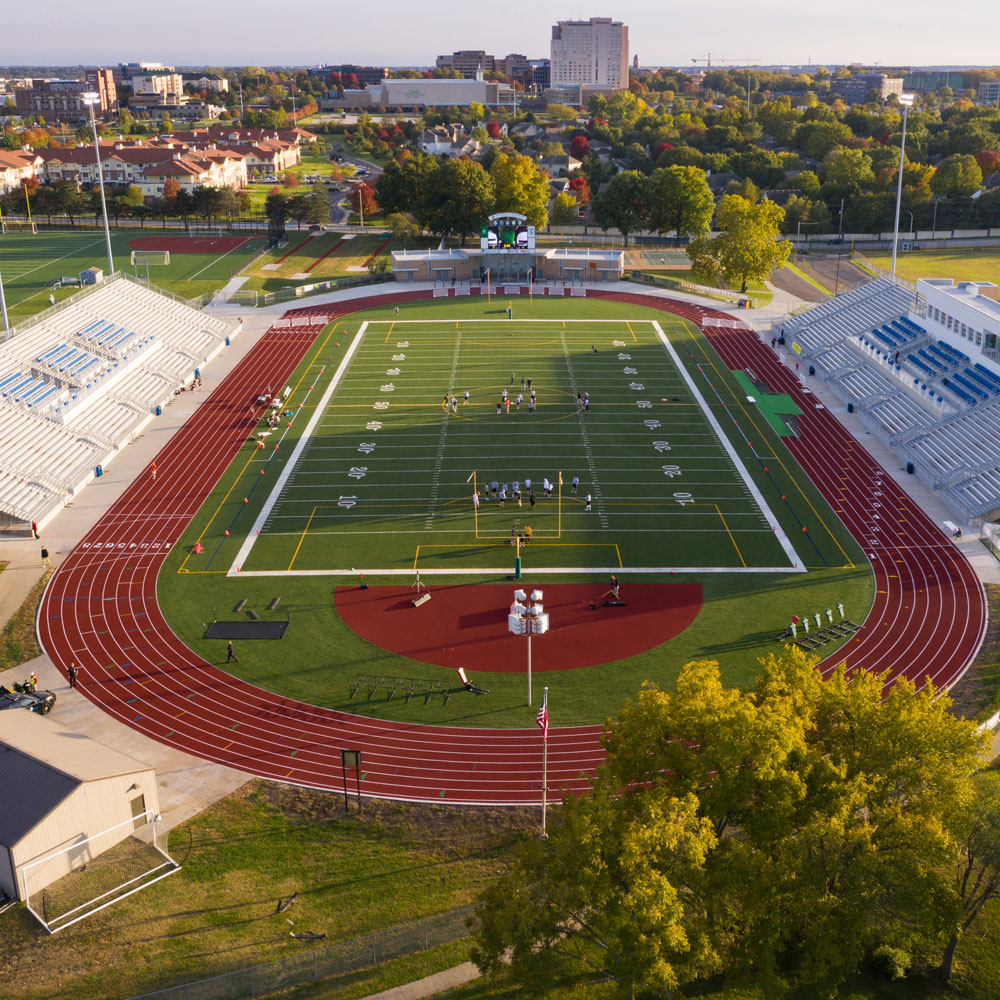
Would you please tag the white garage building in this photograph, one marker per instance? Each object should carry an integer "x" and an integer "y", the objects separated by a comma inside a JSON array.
[{"x": 66, "y": 800}]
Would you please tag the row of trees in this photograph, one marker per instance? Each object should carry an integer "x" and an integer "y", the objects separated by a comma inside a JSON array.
[
  {"x": 454, "y": 197},
  {"x": 788, "y": 835}
]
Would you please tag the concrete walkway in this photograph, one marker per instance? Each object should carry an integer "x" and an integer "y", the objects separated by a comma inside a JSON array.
[{"x": 430, "y": 986}]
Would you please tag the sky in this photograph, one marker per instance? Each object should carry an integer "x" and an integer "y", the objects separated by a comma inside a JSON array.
[{"x": 414, "y": 32}]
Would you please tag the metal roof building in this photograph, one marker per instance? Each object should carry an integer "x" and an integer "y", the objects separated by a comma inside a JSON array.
[{"x": 66, "y": 800}]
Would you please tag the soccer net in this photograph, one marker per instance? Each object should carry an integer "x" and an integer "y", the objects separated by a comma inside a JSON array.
[
  {"x": 143, "y": 258},
  {"x": 19, "y": 227},
  {"x": 93, "y": 872},
  {"x": 199, "y": 229}
]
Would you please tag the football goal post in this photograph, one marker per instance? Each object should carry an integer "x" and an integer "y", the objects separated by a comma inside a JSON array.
[{"x": 74, "y": 882}]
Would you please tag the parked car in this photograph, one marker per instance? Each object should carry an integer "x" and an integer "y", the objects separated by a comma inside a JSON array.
[{"x": 35, "y": 701}]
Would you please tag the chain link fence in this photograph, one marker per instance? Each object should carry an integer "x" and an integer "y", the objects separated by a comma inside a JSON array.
[{"x": 323, "y": 963}]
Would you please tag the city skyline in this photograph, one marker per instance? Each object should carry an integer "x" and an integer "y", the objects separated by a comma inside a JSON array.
[{"x": 891, "y": 33}]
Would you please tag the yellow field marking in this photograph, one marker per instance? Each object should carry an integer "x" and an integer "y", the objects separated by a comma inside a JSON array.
[
  {"x": 728, "y": 532},
  {"x": 305, "y": 531},
  {"x": 391, "y": 325},
  {"x": 535, "y": 543},
  {"x": 630, "y": 330},
  {"x": 757, "y": 429},
  {"x": 253, "y": 455}
]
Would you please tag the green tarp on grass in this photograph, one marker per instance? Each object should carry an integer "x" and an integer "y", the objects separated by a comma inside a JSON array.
[{"x": 773, "y": 406}]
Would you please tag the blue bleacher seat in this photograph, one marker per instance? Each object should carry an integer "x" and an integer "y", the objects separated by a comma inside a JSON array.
[
  {"x": 936, "y": 365},
  {"x": 7, "y": 381},
  {"x": 987, "y": 374},
  {"x": 885, "y": 340},
  {"x": 961, "y": 393},
  {"x": 970, "y": 386},
  {"x": 984, "y": 383}
]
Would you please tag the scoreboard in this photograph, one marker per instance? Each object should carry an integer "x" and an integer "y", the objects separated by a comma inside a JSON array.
[{"x": 507, "y": 232}]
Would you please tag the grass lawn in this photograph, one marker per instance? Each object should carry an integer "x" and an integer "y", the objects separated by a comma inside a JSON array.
[
  {"x": 669, "y": 498},
  {"x": 355, "y": 875},
  {"x": 28, "y": 263},
  {"x": 319, "y": 257},
  {"x": 973, "y": 264},
  {"x": 756, "y": 289}
]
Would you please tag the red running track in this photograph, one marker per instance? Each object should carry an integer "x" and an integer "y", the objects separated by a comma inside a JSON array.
[{"x": 100, "y": 610}]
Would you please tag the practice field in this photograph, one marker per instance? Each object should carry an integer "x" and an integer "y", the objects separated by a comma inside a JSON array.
[
  {"x": 973, "y": 264},
  {"x": 370, "y": 472},
  {"x": 388, "y": 477},
  {"x": 30, "y": 263}
]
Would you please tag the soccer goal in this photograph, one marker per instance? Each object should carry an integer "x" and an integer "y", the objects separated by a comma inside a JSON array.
[
  {"x": 142, "y": 260},
  {"x": 19, "y": 227},
  {"x": 93, "y": 872},
  {"x": 200, "y": 229}
]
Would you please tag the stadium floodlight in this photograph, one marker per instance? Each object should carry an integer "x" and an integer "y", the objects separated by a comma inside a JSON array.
[
  {"x": 907, "y": 101},
  {"x": 90, "y": 98},
  {"x": 527, "y": 621}
]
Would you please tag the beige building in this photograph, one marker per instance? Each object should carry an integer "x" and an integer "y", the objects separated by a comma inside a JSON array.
[
  {"x": 593, "y": 52},
  {"x": 566, "y": 265},
  {"x": 164, "y": 83},
  {"x": 62, "y": 100},
  {"x": 16, "y": 167},
  {"x": 61, "y": 789}
]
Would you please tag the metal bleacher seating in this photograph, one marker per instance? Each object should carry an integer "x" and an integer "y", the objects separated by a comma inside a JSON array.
[{"x": 75, "y": 386}]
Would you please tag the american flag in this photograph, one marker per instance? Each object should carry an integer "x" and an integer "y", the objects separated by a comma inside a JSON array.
[{"x": 543, "y": 716}]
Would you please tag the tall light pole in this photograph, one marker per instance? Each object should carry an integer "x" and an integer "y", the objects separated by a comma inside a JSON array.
[
  {"x": 906, "y": 100},
  {"x": 3, "y": 308},
  {"x": 527, "y": 620},
  {"x": 91, "y": 98}
]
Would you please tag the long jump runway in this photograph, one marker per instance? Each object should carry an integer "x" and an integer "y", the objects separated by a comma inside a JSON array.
[{"x": 100, "y": 608}]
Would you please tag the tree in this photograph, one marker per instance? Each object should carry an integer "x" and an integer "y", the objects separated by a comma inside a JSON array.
[
  {"x": 401, "y": 186},
  {"x": 977, "y": 877},
  {"x": 171, "y": 188},
  {"x": 519, "y": 186},
  {"x": 622, "y": 203},
  {"x": 581, "y": 190},
  {"x": 680, "y": 200},
  {"x": 126, "y": 121},
  {"x": 579, "y": 147},
  {"x": 988, "y": 160},
  {"x": 848, "y": 171},
  {"x": 363, "y": 200},
  {"x": 560, "y": 112},
  {"x": 565, "y": 210},
  {"x": 781, "y": 833},
  {"x": 747, "y": 248},
  {"x": 458, "y": 197},
  {"x": 404, "y": 227},
  {"x": 957, "y": 176},
  {"x": 276, "y": 208}
]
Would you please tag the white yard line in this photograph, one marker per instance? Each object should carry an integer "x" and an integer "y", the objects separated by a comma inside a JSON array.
[
  {"x": 272, "y": 499},
  {"x": 503, "y": 571},
  {"x": 212, "y": 263},
  {"x": 794, "y": 559},
  {"x": 442, "y": 438},
  {"x": 595, "y": 483}
]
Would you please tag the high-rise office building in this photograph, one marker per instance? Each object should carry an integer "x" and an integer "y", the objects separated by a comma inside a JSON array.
[{"x": 593, "y": 52}]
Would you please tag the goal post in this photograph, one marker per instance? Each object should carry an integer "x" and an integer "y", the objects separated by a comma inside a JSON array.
[
  {"x": 202, "y": 229},
  {"x": 19, "y": 227},
  {"x": 74, "y": 882}
]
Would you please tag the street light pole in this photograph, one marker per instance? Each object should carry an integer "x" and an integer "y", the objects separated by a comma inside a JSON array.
[
  {"x": 906, "y": 100},
  {"x": 90, "y": 99}
]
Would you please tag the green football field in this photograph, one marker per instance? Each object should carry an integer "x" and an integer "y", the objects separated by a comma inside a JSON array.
[
  {"x": 372, "y": 473},
  {"x": 30, "y": 263},
  {"x": 386, "y": 476}
]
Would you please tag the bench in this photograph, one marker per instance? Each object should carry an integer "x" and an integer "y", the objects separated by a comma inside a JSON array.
[{"x": 953, "y": 529}]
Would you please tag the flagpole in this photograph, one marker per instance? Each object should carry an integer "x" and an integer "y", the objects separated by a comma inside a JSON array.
[{"x": 545, "y": 763}]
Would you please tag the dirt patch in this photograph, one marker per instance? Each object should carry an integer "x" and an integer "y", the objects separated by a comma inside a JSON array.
[
  {"x": 459, "y": 830},
  {"x": 190, "y": 244},
  {"x": 977, "y": 694}
]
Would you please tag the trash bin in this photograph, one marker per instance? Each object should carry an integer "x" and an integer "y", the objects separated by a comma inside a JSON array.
[
  {"x": 158, "y": 410},
  {"x": 909, "y": 468},
  {"x": 850, "y": 407},
  {"x": 227, "y": 341},
  {"x": 812, "y": 369},
  {"x": 98, "y": 471}
]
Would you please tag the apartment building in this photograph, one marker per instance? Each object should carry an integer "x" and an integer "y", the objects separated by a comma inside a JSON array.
[
  {"x": 162, "y": 83},
  {"x": 468, "y": 62},
  {"x": 857, "y": 89},
  {"x": 16, "y": 167},
  {"x": 592, "y": 52},
  {"x": 62, "y": 100}
]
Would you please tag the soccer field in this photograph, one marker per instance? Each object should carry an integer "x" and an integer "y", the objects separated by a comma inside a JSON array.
[
  {"x": 386, "y": 474},
  {"x": 30, "y": 263}
]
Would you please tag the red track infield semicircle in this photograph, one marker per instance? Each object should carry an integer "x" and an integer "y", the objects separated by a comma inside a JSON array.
[{"x": 466, "y": 625}]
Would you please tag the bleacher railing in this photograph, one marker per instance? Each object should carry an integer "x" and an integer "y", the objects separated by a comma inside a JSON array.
[
  {"x": 869, "y": 265},
  {"x": 324, "y": 963}
]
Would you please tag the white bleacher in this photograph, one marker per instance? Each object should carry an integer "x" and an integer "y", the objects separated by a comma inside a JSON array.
[{"x": 76, "y": 384}]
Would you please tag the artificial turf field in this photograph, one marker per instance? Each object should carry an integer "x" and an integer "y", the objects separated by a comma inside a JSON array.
[
  {"x": 375, "y": 473},
  {"x": 30, "y": 262}
]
